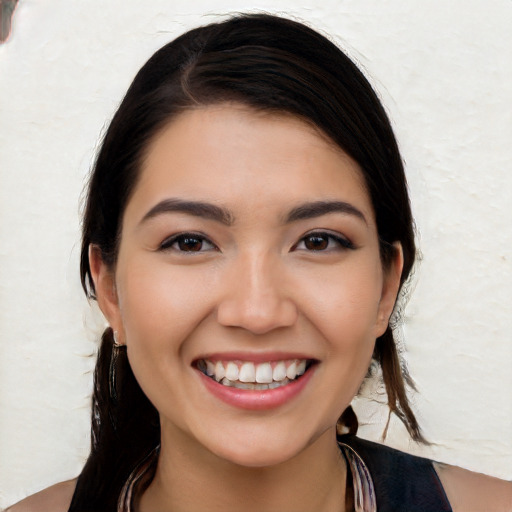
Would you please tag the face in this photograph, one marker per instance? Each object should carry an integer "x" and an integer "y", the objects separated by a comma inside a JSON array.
[{"x": 248, "y": 287}]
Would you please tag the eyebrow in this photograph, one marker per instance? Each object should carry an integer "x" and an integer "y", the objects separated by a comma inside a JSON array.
[
  {"x": 195, "y": 208},
  {"x": 224, "y": 216},
  {"x": 319, "y": 208}
]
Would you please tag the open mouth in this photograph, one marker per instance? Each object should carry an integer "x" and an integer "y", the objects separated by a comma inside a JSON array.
[{"x": 254, "y": 376}]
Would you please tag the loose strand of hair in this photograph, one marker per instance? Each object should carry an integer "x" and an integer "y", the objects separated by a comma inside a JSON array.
[{"x": 394, "y": 381}]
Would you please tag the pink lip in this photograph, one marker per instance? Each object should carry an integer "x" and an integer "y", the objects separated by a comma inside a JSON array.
[{"x": 256, "y": 400}]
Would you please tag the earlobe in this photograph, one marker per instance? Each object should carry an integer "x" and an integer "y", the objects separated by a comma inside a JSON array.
[
  {"x": 104, "y": 284},
  {"x": 390, "y": 288}
]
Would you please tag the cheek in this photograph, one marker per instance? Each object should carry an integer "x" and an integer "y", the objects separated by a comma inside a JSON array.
[
  {"x": 345, "y": 312},
  {"x": 344, "y": 307},
  {"x": 160, "y": 304}
]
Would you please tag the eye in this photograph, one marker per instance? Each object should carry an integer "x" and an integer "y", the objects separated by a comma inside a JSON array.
[
  {"x": 321, "y": 241},
  {"x": 187, "y": 242}
]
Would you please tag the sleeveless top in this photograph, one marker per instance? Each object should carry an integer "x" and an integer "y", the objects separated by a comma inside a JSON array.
[
  {"x": 383, "y": 479},
  {"x": 402, "y": 482}
]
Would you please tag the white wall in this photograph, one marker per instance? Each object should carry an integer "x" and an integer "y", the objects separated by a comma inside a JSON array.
[{"x": 444, "y": 72}]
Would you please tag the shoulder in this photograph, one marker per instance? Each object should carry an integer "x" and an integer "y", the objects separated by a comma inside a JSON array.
[
  {"x": 56, "y": 498},
  {"x": 398, "y": 476},
  {"x": 467, "y": 490},
  {"x": 401, "y": 481}
]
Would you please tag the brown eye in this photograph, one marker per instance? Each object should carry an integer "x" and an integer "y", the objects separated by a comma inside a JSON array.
[
  {"x": 190, "y": 244},
  {"x": 323, "y": 242},
  {"x": 187, "y": 243},
  {"x": 316, "y": 242}
]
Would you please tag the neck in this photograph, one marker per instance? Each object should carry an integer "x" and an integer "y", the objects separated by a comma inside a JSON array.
[{"x": 190, "y": 478}]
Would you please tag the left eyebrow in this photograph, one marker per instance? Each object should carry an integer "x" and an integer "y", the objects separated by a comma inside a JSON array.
[
  {"x": 319, "y": 208},
  {"x": 194, "y": 208}
]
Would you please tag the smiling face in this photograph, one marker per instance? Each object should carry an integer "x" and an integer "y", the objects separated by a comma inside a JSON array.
[{"x": 249, "y": 255}]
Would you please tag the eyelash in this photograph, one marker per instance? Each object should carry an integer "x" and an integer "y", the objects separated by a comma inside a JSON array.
[
  {"x": 341, "y": 242},
  {"x": 167, "y": 244}
]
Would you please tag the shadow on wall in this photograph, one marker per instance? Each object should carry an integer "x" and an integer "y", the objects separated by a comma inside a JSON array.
[{"x": 7, "y": 8}]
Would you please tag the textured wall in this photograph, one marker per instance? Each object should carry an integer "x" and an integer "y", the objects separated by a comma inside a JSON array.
[{"x": 444, "y": 72}]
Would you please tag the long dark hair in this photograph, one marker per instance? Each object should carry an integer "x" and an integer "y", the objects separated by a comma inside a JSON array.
[{"x": 267, "y": 63}]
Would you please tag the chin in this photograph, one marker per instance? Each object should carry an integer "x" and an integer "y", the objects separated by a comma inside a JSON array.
[
  {"x": 256, "y": 457},
  {"x": 258, "y": 449}
]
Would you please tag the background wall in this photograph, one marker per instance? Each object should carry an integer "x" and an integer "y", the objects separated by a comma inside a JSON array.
[{"x": 444, "y": 72}]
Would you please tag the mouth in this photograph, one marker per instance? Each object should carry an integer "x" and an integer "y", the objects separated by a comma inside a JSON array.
[{"x": 247, "y": 375}]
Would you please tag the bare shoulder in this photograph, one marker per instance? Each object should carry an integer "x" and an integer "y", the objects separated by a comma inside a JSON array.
[
  {"x": 468, "y": 491},
  {"x": 56, "y": 498}
]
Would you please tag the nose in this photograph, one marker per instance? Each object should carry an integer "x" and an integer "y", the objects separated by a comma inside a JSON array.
[{"x": 255, "y": 297}]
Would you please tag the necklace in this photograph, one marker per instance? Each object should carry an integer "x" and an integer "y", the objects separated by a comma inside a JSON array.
[{"x": 364, "y": 492}]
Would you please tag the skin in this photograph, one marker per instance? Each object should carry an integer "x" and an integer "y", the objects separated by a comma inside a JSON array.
[{"x": 256, "y": 286}]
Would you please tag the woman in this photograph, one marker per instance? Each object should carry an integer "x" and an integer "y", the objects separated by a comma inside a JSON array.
[{"x": 246, "y": 234}]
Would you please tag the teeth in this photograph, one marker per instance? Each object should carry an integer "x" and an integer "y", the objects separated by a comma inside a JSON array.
[
  {"x": 252, "y": 386},
  {"x": 243, "y": 385},
  {"x": 232, "y": 371},
  {"x": 291, "y": 371},
  {"x": 264, "y": 373},
  {"x": 220, "y": 373},
  {"x": 210, "y": 368},
  {"x": 279, "y": 372},
  {"x": 247, "y": 373}
]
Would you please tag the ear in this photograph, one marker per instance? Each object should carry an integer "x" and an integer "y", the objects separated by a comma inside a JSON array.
[
  {"x": 106, "y": 293},
  {"x": 390, "y": 287}
]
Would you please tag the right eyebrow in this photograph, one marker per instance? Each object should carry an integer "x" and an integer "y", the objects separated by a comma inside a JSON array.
[
  {"x": 195, "y": 208},
  {"x": 319, "y": 208}
]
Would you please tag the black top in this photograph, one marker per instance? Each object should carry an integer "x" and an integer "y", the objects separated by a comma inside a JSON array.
[{"x": 402, "y": 482}]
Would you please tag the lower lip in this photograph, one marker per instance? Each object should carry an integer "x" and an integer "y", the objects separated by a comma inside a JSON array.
[{"x": 257, "y": 400}]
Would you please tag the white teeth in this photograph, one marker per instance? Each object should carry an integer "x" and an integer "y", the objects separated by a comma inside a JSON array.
[
  {"x": 220, "y": 373},
  {"x": 247, "y": 373},
  {"x": 279, "y": 372},
  {"x": 210, "y": 368},
  {"x": 232, "y": 371},
  {"x": 291, "y": 371},
  {"x": 264, "y": 373}
]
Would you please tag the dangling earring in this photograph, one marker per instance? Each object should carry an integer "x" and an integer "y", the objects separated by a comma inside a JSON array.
[{"x": 112, "y": 380}]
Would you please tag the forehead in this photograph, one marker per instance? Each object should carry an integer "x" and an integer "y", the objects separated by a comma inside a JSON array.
[{"x": 233, "y": 155}]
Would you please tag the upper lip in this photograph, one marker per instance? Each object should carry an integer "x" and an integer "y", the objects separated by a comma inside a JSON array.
[{"x": 254, "y": 357}]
